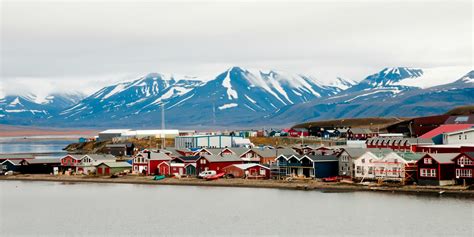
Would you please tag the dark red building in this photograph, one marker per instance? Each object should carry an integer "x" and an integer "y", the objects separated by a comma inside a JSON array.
[
  {"x": 436, "y": 169},
  {"x": 464, "y": 168},
  {"x": 216, "y": 162},
  {"x": 418, "y": 126}
]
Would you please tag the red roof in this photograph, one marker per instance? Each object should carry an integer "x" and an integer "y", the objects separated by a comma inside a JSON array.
[{"x": 446, "y": 128}]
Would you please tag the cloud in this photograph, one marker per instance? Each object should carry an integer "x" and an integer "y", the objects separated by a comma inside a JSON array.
[{"x": 65, "y": 43}]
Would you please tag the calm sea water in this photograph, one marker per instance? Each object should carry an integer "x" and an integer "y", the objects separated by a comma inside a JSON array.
[
  {"x": 58, "y": 209},
  {"x": 45, "y": 145}
]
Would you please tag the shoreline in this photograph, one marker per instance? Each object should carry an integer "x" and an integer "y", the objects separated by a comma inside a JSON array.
[{"x": 308, "y": 185}]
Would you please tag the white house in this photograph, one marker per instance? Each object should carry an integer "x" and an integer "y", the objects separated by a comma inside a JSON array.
[
  {"x": 465, "y": 136},
  {"x": 397, "y": 166},
  {"x": 87, "y": 163},
  {"x": 364, "y": 166}
]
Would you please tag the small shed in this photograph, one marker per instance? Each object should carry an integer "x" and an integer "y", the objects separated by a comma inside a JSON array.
[
  {"x": 10, "y": 165},
  {"x": 108, "y": 168},
  {"x": 191, "y": 169},
  {"x": 251, "y": 171}
]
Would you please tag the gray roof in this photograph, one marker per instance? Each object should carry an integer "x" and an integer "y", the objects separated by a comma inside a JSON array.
[
  {"x": 323, "y": 158},
  {"x": 174, "y": 150},
  {"x": 100, "y": 156},
  {"x": 238, "y": 151},
  {"x": 218, "y": 158},
  {"x": 265, "y": 152},
  {"x": 159, "y": 156},
  {"x": 17, "y": 156},
  {"x": 443, "y": 157},
  {"x": 286, "y": 151},
  {"x": 113, "y": 164},
  {"x": 355, "y": 152},
  {"x": 470, "y": 154},
  {"x": 361, "y": 130},
  {"x": 44, "y": 161}
]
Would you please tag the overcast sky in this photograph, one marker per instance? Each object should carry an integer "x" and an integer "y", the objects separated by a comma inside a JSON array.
[{"x": 83, "y": 45}]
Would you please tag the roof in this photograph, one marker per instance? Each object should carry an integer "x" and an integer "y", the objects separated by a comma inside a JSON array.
[
  {"x": 265, "y": 152},
  {"x": 14, "y": 162},
  {"x": 286, "y": 151},
  {"x": 44, "y": 161},
  {"x": 249, "y": 165},
  {"x": 355, "y": 152},
  {"x": 470, "y": 154},
  {"x": 322, "y": 158},
  {"x": 461, "y": 131},
  {"x": 188, "y": 158},
  {"x": 159, "y": 156},
  {"x": 114, "y": 131},
  {"x": 460, "y": 119},
  {"x": 99, "y": 157},
  {"x": 113, "y": 164},
  {"x": 379, "y": 152},
  {"x": 238, "y": 151},
  {"x": 361, "y": 130},
  {"x": 17, "y": 156},
  {"x": 74, "y": 156},
  {"x": 443, "y": 157},
  {"x": 445, "y": 128},
  {"x": 410, "y": 156},
  {"x": 218, "y": 158}
]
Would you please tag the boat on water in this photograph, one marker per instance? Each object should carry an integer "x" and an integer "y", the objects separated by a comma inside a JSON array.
[
  {"x": 214, "y": 177},
  {"x": 159, "y": 177}
]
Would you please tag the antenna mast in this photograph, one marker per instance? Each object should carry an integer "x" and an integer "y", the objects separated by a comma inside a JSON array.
[{"x": 163, "y": 138}]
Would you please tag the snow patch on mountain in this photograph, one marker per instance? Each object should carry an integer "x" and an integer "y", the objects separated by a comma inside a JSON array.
[
  {"x": 431, "y": 77},
  {"x": 227, "y": 106},
  {"x": 231, "y": 93}
]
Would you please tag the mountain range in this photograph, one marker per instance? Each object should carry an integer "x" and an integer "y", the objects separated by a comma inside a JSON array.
[{"x": 241, "y": 97}]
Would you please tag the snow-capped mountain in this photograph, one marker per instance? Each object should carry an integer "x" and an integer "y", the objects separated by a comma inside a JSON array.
[
  {"x": 342, "y": 84},
  {"x": 128, "y": 98},
  {"x": 243, "y": 97},
  {"x": 385, "y": 97},
  {"x": 27, "y": 108},
  {"x": 236, "y": 94}
]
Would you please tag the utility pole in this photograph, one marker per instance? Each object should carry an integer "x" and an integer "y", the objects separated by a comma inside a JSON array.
[{"x": 163, "y": 136}]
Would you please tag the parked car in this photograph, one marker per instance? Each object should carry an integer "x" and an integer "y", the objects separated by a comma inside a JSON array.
[{"x": 207, "y": 173}]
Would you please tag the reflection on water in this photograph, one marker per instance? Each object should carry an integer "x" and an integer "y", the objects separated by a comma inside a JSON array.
[
  {"x": 19, "y": 145},
  {"x": 51, "y": 208}
]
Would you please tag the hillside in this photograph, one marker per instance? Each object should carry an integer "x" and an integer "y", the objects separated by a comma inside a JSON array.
[
  {"x": 462, "y": 110},
  {"x": 373, "y": 122}
]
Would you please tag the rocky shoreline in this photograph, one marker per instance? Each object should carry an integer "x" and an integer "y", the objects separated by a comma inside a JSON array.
[{"x": 451, "y": 191}]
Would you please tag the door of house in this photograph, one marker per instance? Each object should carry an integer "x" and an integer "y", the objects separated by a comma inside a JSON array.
[
  {"x": 99, "y": 170},
  {"x": 180, "y": 171},
  {"x": 163, "y": 170},
  {"x": 107, "y": 170}
]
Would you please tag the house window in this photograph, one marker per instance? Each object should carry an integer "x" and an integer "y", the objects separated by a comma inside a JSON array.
[
  {"x": 427, "y": 161},
  {"x": 262, "y": 172},
  {"x": 464, "y": 161},
  {"x": 464, "y": 173},
  {"x": 363, "y": 160},
  {"x": 428, "y": 172},
  {"x": 371, "y": 170},
  {"x": 359, "y": 169}
]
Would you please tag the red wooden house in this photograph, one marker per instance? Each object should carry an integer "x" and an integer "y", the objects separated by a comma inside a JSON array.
[
  {"x": 250, "y": 171},
  {"x": 464, "y": 168},
  {"x": 436, "y": 169},
  {"x": 69, "y": 161},
  {"x": 216, "y": 162},
  {"x": 159, "y": 163}
]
